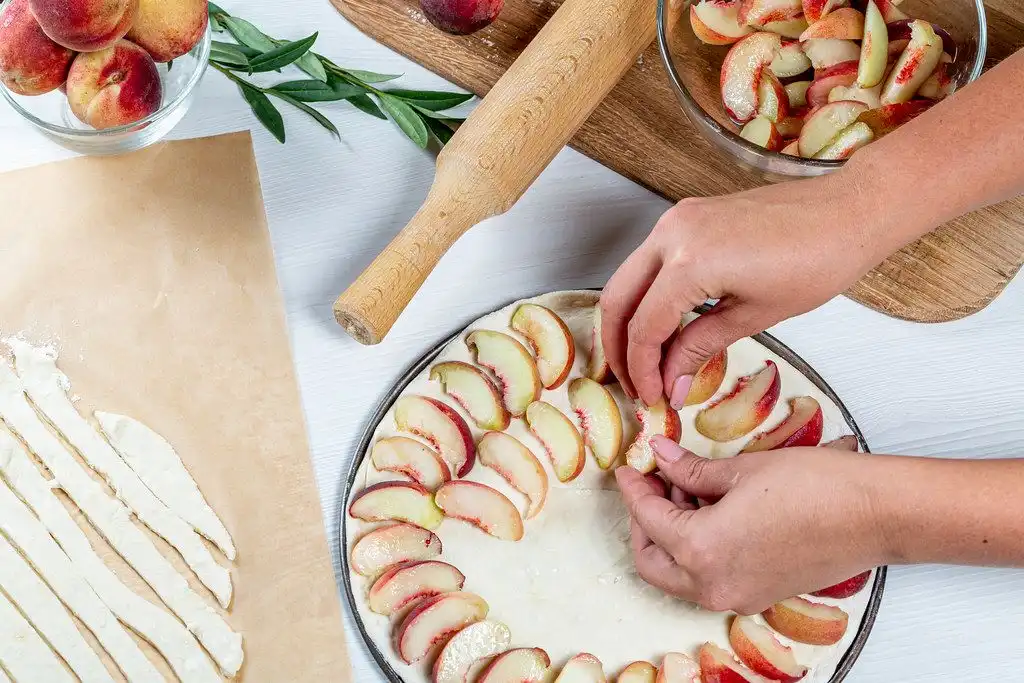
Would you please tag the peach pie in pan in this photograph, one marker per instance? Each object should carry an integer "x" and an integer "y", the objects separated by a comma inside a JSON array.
[{"x": 486, "y": 541}]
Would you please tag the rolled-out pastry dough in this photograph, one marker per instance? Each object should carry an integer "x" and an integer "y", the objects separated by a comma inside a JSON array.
[
  {"x": 111, "y": 519},
  {"x": 160, "y": 468},
  {"x": 38, "y": 603},
  {"x": 47, "y": 387},
  {"x": 23, "y": 652}
]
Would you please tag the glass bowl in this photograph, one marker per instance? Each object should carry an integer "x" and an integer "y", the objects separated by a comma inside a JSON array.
[
  {"x": 694, "y": 67},
  {"x": 51, "y": 115}
]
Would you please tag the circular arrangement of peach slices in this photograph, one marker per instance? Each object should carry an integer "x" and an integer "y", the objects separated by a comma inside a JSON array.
[
  {"x": 822, "y": 78},
  {"x": 435, "y": 619}
]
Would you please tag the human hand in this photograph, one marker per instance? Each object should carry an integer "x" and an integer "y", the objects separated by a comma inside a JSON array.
[
  {"x": 780, "y": 523},
  {"x": 767, "y": 255}
]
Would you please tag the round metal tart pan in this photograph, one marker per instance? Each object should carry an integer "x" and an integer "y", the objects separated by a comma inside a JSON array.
[{"x": 845, "y": 663}]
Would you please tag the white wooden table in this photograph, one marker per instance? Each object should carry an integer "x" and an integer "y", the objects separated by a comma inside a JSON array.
[{"x": 944, "y": 390}]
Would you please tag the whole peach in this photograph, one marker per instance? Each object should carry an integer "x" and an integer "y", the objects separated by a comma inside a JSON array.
[
  {"x": 30, "y": 63},
  {"x": 461, "y": 16},
  {"x": 115, "y": 86},
  {"x": 168, "y": 29},
  {"x": 85, "y": 25}
]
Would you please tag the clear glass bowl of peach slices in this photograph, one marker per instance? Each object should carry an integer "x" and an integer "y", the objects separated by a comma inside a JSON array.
[
  {"x": 795, "y": 87},
  {"x": 103, "y": 76}
]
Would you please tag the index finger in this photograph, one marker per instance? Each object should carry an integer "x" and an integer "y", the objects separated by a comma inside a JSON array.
[
  {"x": 621, "y": 296},
  {"x": 659, "y": 518}
]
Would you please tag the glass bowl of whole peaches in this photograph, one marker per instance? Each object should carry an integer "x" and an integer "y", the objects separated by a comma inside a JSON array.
[
  {"x": 795, "y": 87},
  {"x": 102, "y": 76}
]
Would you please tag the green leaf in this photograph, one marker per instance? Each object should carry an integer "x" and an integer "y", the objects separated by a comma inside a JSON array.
[
  {"x": 406, "y": 118},
  {"x": 282, "y": 56},
  {"x": 364, "y": 104},
  {"x": 314, "y": 91},
  {"x": 249, "y": 35},
  {"x": 214, "y": 8},
  {"x": 170, "y": 65},
  {"x": 264, "y": 110},
  {"x": 320, "y": 118},
  {"x": 215, "y": 25},
  {"x": 440, "y": 130},
  {"x": 370, "y": 76},
  {"x": 310, "y": 63},
  {"x": 228, "y": 53},
  {"x": 431, "y": 100}
]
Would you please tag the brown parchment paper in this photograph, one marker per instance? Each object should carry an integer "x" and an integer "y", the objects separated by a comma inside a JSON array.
[{"x": 154, "y": 276}]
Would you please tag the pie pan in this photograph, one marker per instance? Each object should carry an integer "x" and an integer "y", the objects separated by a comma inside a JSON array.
[{"x": 847, "y": 659}]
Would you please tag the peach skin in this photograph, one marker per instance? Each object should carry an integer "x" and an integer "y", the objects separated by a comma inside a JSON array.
[
  {"x": 167, "y": 30},
  {"x": 85, "y": 25},
  {"x": 115, "y": 86},
  {"x": 30, "y": 63}
]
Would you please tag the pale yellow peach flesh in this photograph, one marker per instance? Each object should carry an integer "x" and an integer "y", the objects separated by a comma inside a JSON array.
[
  {"x": 716, "y": 23},
  {"x": 744, "y": 409},
  {"x": 741, "y": 73},
  {"x": 472, "y": 390},
  {"x": 678, "y": 668},
  {"x": 600, "y": 419},
  {"x": 399, "y": 501},
  {"x": 415, "y": 460},
  {"x": 638, "y": 672},
  {"x": 404, "y": 585},
  {"x": 658, "y": 420},
  {"x": 762, "y": 652},
  {"x": 512, "y": 364},
  {"x": 517, "y": 465},
  {"x": 550, "y": 338},
  {"x": 718, "y": 666},
  {"x": 482, "y": 506},
  {"x": 560, "y": 438},
  {"x": 441, "y": 426},
  {"x": 435, "y": 620},
  {"x": 394, "y": 544},
  {"x": 845, "y": 23},
  {"x": 822, "y": 126},
  {"x": 473, "y": 643},
  {"x": 807, "y": 622},
  {"x": 522, "y": 665},
  {"x": 582, "y": 668}
]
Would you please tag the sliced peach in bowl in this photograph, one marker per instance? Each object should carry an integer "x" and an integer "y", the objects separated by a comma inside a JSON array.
[
  {"x": 715, "y": 22},
  {"x": 517, "y": 465},
  {"x": 802, "y": 427},
  {"x": 512, "y": 364},
  {"x": 560, "y": 438},
  {"x": 826, "y": 123},
  {"x": 473, "y": 643},
  {"x": 763, "y": 653},
  {"x": 874, "y": 49},
  {"x": 440, "y": 425},
  {"x": 419, "y": 462},
  {"x": 472, "y": 390},
  {"x": 830, "y": 78},
  {"x": 797, "y": 94},
  {"x": 763, "y": 133},
  {"x": 888, "y": 118},
  {"x": 773, "y": 102},
  {"x": 657, "y": 420},
  {"x": 744, "y": 409},
  {"x": 582, "y": 668},
  {"x": 679, "y": 668},
  {"x": 600, "y": 418},
  {"x": 396, "y": 500},
  {"x": 761, "y": 12},
  {"x": 872, "y": 97},
  {"x": 432, "y": 622},
  {"x": 741, "y": 73},
  {"x": 789, "y": 28},
  {"x": 845, "y": 23},
  {"x": 790, "y": 61},
  {"x": 408, "y": 583},
  {"x": 826, "y": 52},
  {"x": 915, "y": 65},
  {"x": 807, "y": 622},
  {"x": 550, "y": 338},
  {"x": 522, "y": 665},
  {"x": 482, "y": 506},
  {"x": 815, "y": 10},
  {"x": 847, "y": 142}
]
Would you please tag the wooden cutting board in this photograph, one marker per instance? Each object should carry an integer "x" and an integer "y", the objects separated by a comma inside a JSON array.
[{"x": 641, "y": 132}]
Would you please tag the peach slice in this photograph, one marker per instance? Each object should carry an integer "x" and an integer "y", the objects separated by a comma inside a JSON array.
[
  {"x": 716, "y": 22},
  {"x": 679, "y": 668},
  {"x": 638, "y": 672},
  {"x": 600, "y": 418},
  {"x": 708, "y": 379},
  {"x": 797, "y": 93},
  {"x": 512, "y": 364},
  {"x": 874, "y": 49},
  {"x": 843, "y": 74},
  {"x": 773, "y": 103},
  {"x": 597, "y": 367},
  {"x": 468, "y": 646},
  {"x": 550, "y": 338},
  {"x": 762, "y": 652},
  {"x": 718, "y": 666},
  {"x": 844, "y": 443},
  {"x": 741, "y": 73},
  {"x": 482, "y": 506},
  {"x": 802, "y": 427},
  {"x": 869, "y": 96},
  {"x": 845, "y": 589},
  {"x": 435, "y": 620},
  {"x": 440, "y": 425},
  {"x": 791, "y": 60},
  {"x": 744, "y": 409},
  {"x": 826, "y": 52},
  {"x": 915, "y": 65},
  {"x": 791, "y": 28},
  {"x": 471, "y": 389},
  {"x": 762, "y": 132},
  {"x": 845, "y": 23},
  {"x": 402, "y": 501},
  {"x": 517, "y": 465},
  {"x": 822, "y": 127},
  {"x": 522, "y": 665},
  {"x": 885, "y": 120},
  {"x": 761, "y": 12},
  {"x": 408, "y": 583},
  {"x": 792, "y": 149},
  {"x": 789, "y": 128},
  {"x": 847, "y": 142},
  {"x": 900, "y": 31},
  {"x": 807, "y": 622},
  {"x": 939, "y": 85},
  {"x": 561, "y": 439},
  {"x": 582, "y": 668},
  {"x": 659, "y": 419},
  {"x": 407, "y": 456},
  {"x": 889, "y": 11},
  {"x": 815, "y": 10},
  {"x": 394, "y": 544}
]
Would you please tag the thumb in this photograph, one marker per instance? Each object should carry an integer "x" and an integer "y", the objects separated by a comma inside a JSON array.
[
  {"x": 698, "y": 341},
  {"x": 693, "y": 474}
]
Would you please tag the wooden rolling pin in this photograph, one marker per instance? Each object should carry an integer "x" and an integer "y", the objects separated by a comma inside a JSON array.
[{"x": 514, "y": 133}]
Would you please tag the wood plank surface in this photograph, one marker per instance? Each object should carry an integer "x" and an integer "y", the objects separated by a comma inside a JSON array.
[{"x": 641, "y": 132}]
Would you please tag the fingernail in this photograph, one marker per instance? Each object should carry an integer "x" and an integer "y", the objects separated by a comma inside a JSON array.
[
  {"x": 666, "y": 449},
  {"x": 680, "y": 390}
]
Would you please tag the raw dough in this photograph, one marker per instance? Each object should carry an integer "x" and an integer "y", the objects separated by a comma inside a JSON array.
[
  {"x": 23, "y": 652},
  {"x": 112, "y": 520},
  {"x": 161, "y": 630},
  {"x": 47, "y": 387},
  {"x": 30, "y": 537},
  {"x": 38, "y": 603},
  {"x": 570, "y": 585},
  {"x": 160, "y": 468}
]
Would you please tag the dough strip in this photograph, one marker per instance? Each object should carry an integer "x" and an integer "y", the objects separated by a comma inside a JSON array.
[
  {"x": 160, "y": 468},
  {"x": 111, "y": 519},
  {"x": 23, "y": 653},
  {"x": 38, "y": 603},
  {"x": 46, "y": 386}
]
